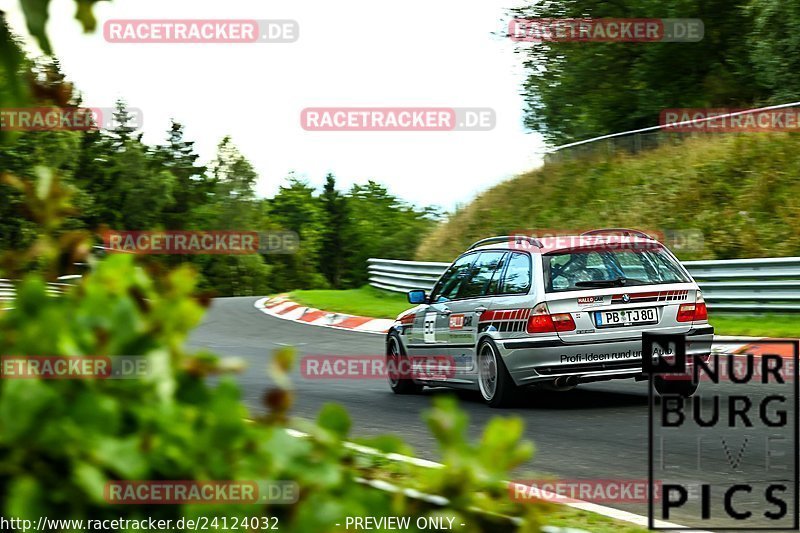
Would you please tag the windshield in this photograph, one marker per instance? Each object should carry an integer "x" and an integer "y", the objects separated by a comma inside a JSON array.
[{"x": 582, "y": 269}]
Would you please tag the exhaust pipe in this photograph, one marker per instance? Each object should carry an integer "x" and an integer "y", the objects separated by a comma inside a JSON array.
[{"x": 565, "y": 381}]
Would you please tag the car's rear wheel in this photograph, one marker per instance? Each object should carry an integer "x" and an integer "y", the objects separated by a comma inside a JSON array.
[
  {"x": 679, "y": 387},
  {"x": 494, "y": 381},
  {"x": 396, "y": 360}
]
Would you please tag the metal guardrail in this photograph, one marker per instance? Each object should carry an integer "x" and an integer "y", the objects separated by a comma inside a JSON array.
[
  {"x": 8, "y": 291},
  {"x": 401, "y": 276},
  {"x": 766, "y": 284}
]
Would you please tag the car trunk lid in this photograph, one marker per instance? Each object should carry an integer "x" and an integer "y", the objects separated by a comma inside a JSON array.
[{"x": 622, "y": 312}]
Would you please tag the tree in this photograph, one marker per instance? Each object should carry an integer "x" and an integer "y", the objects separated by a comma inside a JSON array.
[
  {"x": 334, "y": 244},
  {"x": 295, "y": 208},
  {"x": 140, "y": 193},
  {"x": 576, "y": 90},
  {"x": 126, "y": 185},
  {"x": 382, "y": 226},
  {"x": 23, "y": 154},
  {"x": 124, "y": 126},
  {"x": 192, "y": 187},
  {"x": 231, "y": 201},
  {"x": 225, "y": 199},
  {"x": 14, "y": 67},
  {"x": 774, "y": 44},
  {"x": 92, "y": 176}
]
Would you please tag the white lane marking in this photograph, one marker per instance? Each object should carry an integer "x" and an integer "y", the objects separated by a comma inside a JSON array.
[
  {"x": 281, "y": 306},
  {"x": 603, "y": 510},
  {"x": 376, "y": 324},
  {"x": 295, "y": 314}
]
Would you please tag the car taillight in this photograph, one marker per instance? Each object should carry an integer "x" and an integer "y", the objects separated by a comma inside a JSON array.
[
  {"x": 563, "y": 322},
  {"x": 700, "y": 311},
  {"x": 541, "y": 321},
  {"x": 686, "y": 313},
  {"x": 695, "y": 312}
]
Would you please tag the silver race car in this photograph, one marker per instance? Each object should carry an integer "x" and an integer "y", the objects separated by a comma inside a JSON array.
[{"x": 516, "y": 311}]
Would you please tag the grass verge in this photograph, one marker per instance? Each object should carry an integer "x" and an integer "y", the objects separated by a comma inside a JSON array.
[
  {"x": 364, "y": 301},
  {"x": 767, "y": 325},
  {"x": 740, "y": 192},
  {"x": 568, "y": 517},
  {"x": 379, "y": 467}
]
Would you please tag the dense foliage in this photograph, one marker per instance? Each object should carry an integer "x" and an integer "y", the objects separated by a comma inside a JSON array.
[
  {"x": 576, "y": 90},
  {"x": 63, "y": 440}
]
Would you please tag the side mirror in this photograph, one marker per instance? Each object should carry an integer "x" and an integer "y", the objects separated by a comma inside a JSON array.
[{"x": 416, "y": 296}]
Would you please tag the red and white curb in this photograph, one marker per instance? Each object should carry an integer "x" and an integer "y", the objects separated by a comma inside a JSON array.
[{"x": 281, "y": 307}]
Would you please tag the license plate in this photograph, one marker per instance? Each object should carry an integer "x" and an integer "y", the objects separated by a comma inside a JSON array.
[{"x": 625, "y": 317}]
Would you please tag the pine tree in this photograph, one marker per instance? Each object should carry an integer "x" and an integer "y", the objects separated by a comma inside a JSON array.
[
  {"x": 124, "y": 126},
  {"x": 331, "y": 259},
  {"x": 192, "y": 184}
]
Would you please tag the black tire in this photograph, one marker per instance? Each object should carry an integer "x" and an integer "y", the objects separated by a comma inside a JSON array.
[
  {"x": 679, "y": 387},
  {"x": 394, "y": 354},
  {"x": 494, "y": 381}
]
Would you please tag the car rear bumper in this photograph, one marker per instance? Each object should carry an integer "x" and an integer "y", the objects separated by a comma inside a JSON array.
[{"x": 532, "y": 360}]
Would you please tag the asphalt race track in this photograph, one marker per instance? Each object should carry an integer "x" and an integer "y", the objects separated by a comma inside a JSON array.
[{"x": 597, "y": 431}]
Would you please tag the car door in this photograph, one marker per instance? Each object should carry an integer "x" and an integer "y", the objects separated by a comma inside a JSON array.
[
  {"x": 473, "y": 298},
  {"x": 431, "y": 330},
  {"x": 509, "y": 308}
]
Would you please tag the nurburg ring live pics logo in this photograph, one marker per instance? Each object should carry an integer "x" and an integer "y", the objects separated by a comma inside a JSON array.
[{"x": 725, "y": 458}]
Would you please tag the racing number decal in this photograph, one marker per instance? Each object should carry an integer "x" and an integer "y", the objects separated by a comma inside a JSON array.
[{"x": 429, "y": 328}]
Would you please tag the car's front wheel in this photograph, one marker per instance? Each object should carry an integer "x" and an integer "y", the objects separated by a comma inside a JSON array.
[
  {"x": 496, "y": 385},
  {"x": 679, "y": 387},
  {"x": 396, "y": 362}
]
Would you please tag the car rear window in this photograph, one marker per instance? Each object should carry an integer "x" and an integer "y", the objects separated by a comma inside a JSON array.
[{"x": 576, "y": 270}]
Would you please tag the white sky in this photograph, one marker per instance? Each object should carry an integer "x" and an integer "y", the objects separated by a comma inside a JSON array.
[{"x": 357, "y": 53}]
